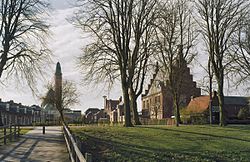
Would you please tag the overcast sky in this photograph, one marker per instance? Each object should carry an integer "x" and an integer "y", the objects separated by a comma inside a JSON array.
[{"x": 66, "y": 43}]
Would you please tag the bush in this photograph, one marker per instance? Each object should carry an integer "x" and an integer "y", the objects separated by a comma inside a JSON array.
[
  {"x": 103, "y": 121},
  {"x": 185, "y": 116},
  {"x": 188, "y": 117},
  {"x": 199, "y": 118},
  {"x": 243, "y": 113}
]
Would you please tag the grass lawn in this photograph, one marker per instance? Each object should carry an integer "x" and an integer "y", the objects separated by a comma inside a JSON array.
[{"x": 166, "y": 143}]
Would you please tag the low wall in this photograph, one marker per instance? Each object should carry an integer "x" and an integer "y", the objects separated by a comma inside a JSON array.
[{"x": 166, "y": 121}]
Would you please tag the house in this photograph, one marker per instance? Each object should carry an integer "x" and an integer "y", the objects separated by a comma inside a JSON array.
[
  {"x": 114, "y": 110},
  {"x": 72, "y": 116},
  {"x": 51, "y": 113},
  {"x": 16, "y": 113},
  {"x": 110, "y": 105},
  {"x": 90, "y": 115},
  {"x": 99, "y": 115},
  {"x": 232, "y": 106},
  {"x": 157, "y": 101}
]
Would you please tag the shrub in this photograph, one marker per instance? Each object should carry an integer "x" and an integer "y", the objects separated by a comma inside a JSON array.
[
  {"x": 103, "y": 121},
  {"x": 199, "y": 118}
]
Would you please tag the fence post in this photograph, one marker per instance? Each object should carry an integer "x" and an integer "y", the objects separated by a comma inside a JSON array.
[
  {"x": 88, "y": 157},
  {"x": 4, "y": 135},
  {"x": 18, "y": 132},
  {"x": 10, "y": 132},
  {"x": 15, "y": 132}
]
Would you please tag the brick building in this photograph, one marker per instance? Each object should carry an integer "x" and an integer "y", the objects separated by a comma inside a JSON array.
[
  {"x": 157, "y": 101},
  {"x": 232, "y": 106}
]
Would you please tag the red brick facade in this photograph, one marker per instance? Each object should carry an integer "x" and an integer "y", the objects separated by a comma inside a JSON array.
[{"x": 157, "y": 102}]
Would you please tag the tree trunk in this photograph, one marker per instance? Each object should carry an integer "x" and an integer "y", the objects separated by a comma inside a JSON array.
[
  {"x": 128, "y": 122},
  {"x": 221, "y": 103},
  {"x": 62, "y": 117},
  {"x": 133, "y": 105},
  {"x": 176, "y": 111},
  {"x": 210, "y": 99}
]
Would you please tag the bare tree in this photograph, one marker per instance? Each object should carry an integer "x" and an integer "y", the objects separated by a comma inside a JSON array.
[
  {"x": 218, "y": 21},
  {"x": 23, "y": 31},
  {"x": 121, "y": 32},
  {"x": 70, "y": 96},
  {"x": 241, "y": 46},
  {"x": 176, "y": 36},
  {"x": 207, "y": 85}
]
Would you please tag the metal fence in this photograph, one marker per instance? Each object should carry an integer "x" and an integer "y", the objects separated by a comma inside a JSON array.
[
  {"x": 73, "y": 149},
  {"x": 9, "y": 132}
]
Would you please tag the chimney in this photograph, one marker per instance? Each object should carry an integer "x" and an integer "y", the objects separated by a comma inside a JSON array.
[{"x": 105, "y": 101}]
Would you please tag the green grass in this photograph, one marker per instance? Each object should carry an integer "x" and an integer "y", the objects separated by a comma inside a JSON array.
[
  {"x": 166, "y": 143},
  {"x": 24, "y": 130}
]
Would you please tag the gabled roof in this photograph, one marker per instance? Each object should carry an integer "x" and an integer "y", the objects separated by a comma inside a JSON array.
[
  {"x": 151, "y": 81},
  {"x": 198, "y": 104},
  {"x": 91, "y": 110}
]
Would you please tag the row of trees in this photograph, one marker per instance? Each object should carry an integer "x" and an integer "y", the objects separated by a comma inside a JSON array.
[{"x": 129, "y": 36}]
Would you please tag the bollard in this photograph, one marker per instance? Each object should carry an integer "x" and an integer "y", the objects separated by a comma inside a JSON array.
[
  {"x": 88, "y": 157},
  {"x": 43, "y": 129}
]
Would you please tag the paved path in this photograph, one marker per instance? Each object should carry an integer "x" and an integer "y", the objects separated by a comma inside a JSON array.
[{"x": 37, "y": 147}]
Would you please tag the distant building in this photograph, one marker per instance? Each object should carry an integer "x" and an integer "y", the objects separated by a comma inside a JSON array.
[
  {"x": 72, "y": 116},
  {"x": 157, "y": 101},
  {"x": 110, "y": 105},
  {"x": 90, "y": 115},
  {"x": 52, "y": 114},
  {"x": 232, "y": 106},
  {"x": 114, "y": 110},
  {"x": 16, "y": 113}
]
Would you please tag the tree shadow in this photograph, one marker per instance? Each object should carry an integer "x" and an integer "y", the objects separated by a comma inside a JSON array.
[
  {"x": 23, "y": 149},
  {"x": 135, "y": 152},
  {"x": 197, "y": 133}
]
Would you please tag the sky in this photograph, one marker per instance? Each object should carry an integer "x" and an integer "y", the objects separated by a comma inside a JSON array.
[{"x": 66, "y": 43}]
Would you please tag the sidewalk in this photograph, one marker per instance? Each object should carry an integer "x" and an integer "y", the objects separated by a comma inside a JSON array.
[{"x": 37, "y": 147}]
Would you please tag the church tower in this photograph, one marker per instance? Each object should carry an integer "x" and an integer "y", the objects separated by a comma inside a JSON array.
[{"x": 58, "y": 87}]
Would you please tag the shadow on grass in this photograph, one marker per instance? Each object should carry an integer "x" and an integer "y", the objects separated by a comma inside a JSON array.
[
  {"x": 110, "y": 150},
  {"x": 197, "y": 133}
]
